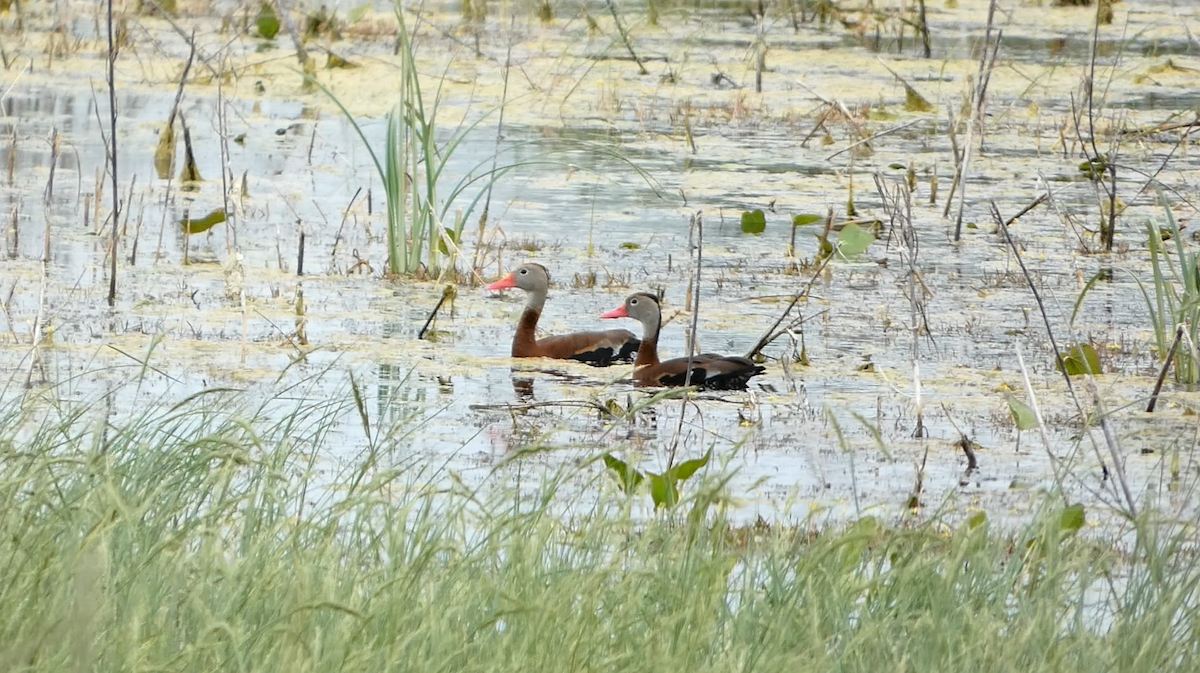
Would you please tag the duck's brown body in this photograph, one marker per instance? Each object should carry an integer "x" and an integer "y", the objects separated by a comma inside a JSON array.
[
  {"x": 599, "y": 348},
  {"x": 709, "y": 370}
]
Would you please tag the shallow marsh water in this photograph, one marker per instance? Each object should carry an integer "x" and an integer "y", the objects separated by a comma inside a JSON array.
[{"x": 588, "y": 213}]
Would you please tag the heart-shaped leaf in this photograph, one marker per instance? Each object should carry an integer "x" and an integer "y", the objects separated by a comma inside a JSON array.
[
  {"x": 806, "y": 219},
  {"x": 1081, "y": 359},
  {"x": 663, "y": 490},
  {"x": 1022, "y": 414},
  {"x": 854, "y": 240}
]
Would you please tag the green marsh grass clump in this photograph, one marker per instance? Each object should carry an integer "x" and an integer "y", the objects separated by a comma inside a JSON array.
[
  {"x": 1173, "y": 300},
  {"x": 218, "y": 534}
]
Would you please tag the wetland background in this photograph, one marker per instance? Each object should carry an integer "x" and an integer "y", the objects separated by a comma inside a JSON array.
[{"x": 260, "y": 352}]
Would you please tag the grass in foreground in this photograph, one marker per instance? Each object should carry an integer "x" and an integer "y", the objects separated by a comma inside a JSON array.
[{"x": 207, "y": 537}]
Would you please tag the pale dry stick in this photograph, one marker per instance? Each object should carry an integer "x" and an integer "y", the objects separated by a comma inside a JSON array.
[
  {"x": 128, "y": 201},
  {"x": 1113, "y": 450},
  {"x": 158, "y": 251},
  {"x": 1063, "y": 215},
  {"x": 187, "y": 67},
  {"x": 137, "y": 230},
  {"x": 977, "y": 102},
  {"x": 1041, "y": 425},
  {"x": 487, "y": 202},
  {"x": 4, "y": 307},
  {"x": 28, "y": 68},
  {"x": 165, "y": 15},
  {"x": 771, "y": 334},
  {"x": 12, "y": 154},
  {"x": 837, "y": 105},
  {"x": 226, "y": 169},
  {"x": 35, "y": 337},
  {"x": 908, "y": 236},
  {"x": 54, "y": 143},
  {"x": 1114, "y": 445},
  {"x": 866, "y": 140},
  {"x": 345, "y": 214},
  {"x": 698, "y": 225},
  {"x": 46, "y": 246},
  {"x": 14, "y": 225}
]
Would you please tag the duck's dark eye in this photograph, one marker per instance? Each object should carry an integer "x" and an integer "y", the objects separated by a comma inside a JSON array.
[
  {"x": 633, "y": 302},
  {"x": 524, "y": 271}
]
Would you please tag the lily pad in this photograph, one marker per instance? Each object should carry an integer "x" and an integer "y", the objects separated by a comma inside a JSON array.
[
  {"x": 754, "y": 222},
  {"x": 854, "y": 240},
  {"x": 267, "y": 22}
]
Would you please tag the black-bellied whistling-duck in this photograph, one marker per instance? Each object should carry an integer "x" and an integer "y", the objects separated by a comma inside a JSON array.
[
  {"x": 595, "y": 348},
  {"x": 709, "y": 370}
]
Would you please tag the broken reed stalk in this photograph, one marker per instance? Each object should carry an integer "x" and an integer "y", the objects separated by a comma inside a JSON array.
[
  {"x": 300, "y": 256},
  {"x": 1041, "y": 424},
  {"x": 187, "y": 67},
  {"x": 226, "y": 173},
  {"x": 345, "y": 215},
  {"x": 923, "y": 26},
  {"x": 760, "y": 47},
  {"x": 447, "y": 293},
  {"x": 1105, "y": 163},
  {"x": 301, "y": 317},
  {"x": 36, "y": 334},
  {"x": 1110, "y": 440},
  {"x": 14, "y": 217},
  {"x": 697, "y": 226},
  {"x": 112, "y": 144},
  {"x": 158, "y": 250},
  {"x": 12, "y": 153},
  {"x": 1162, "y": 375},
  {"x": 128, "y": 200},
  {"x": 54, "y": 144},
  {"x": 137, "y": 229},
  {"x": 612, "y": 7},
  {"x": 898, "y": 206},
  {"x": 986, "y": 61},
  {"x": 774, "y": 332}
]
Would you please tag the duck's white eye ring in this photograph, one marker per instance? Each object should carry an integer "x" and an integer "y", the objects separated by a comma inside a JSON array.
[
  {"x": 524, "y": 271},
  {"x": 632, "y": 302}
]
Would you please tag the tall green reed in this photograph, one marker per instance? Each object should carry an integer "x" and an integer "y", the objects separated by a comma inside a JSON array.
[
  {"x": 421, "y": 226},
  {"x": 412, "y": 169}
]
